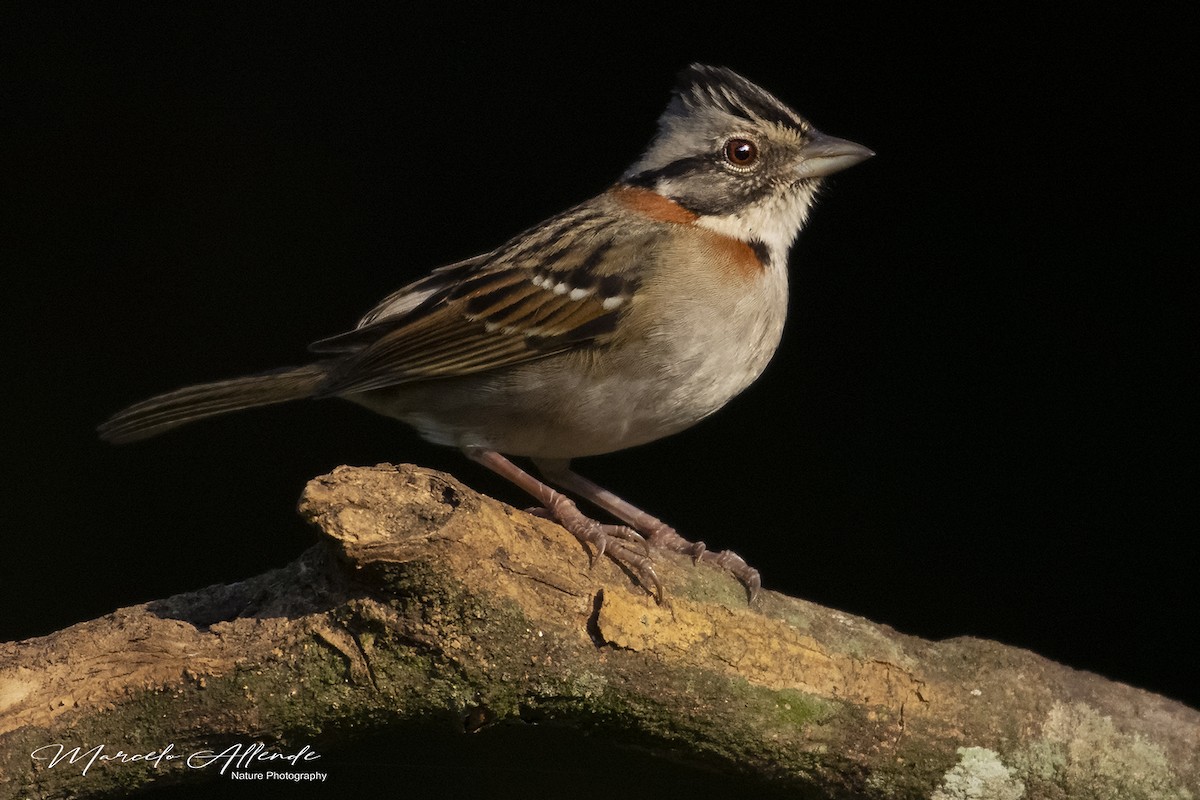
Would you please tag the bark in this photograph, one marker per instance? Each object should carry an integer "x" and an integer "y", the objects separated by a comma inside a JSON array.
[{"x": 424, "y": 596}]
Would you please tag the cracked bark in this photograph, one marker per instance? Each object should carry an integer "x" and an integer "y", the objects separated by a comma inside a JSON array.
[{"x": 427, "y": 602}]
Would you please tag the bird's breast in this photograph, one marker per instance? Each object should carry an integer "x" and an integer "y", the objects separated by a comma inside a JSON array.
[{"x": 721, "y": 324}]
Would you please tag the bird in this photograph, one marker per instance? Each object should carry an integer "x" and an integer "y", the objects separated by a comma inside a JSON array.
[{"x": 624, "y": 319}]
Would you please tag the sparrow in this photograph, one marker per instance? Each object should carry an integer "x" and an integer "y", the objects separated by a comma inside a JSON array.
[{"x": 624, "y": 319}]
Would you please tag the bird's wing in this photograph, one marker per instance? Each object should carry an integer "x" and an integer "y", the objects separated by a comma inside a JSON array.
[
  {"x": 406, "y": 302},
  {"x": 549, "y": 290}
]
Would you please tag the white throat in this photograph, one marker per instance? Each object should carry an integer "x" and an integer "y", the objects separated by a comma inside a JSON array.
[{"x": 775, "y": 221}]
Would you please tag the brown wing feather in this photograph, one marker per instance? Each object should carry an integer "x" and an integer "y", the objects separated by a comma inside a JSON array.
[{"x": 527, "y": 300}]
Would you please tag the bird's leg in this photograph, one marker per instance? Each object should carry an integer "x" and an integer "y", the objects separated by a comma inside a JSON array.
[
  {"x": 620, "y": 542},
  {"x": 659, "y": 533}
]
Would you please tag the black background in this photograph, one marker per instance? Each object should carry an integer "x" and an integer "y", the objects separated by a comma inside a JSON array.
[{"x": 977, "y": 422}]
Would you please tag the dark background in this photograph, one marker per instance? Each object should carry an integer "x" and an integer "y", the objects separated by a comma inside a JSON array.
[{"x": 976, "y": 424}]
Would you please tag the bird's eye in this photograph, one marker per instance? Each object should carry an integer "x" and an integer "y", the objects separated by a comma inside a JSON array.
[{"x": 741, "y": 152}]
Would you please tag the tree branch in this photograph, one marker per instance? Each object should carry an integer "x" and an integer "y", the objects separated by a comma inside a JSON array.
[{"x": 425, "y": 596}]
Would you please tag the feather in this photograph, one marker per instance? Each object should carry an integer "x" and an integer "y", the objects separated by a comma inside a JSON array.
[{"x": 537, "y": 295}]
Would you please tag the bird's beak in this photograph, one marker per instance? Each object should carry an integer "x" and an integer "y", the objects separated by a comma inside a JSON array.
[{"x": 825, "y": 155}]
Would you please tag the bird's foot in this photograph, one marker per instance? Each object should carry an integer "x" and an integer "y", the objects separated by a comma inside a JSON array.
[
  {"x": 655, "y": 531},
  {"x": 660, "y": 534},
  {"x": 621, "y": 543}
]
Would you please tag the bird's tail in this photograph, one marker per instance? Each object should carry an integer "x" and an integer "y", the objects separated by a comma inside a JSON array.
[{"x": 166, "y": 411}]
